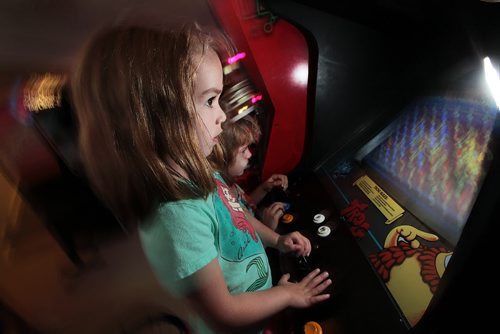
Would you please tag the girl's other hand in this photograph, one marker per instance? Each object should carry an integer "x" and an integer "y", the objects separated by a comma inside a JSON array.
[
  {"x": 294, "y": 242},
  {"x": 272, "y": 214},
  {"x": 276, "y": 180}
]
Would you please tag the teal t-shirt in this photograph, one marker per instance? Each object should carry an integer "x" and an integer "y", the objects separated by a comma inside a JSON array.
[{"x": 184, "y": 236}]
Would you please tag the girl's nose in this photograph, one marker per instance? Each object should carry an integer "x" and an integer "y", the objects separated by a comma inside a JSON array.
[{"x": 221, "y": 118}]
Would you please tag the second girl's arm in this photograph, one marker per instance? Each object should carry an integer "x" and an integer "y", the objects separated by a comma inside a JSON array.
[
  {"x": 292, "y": 242},
  {"x": 269, "y": 237},
  {"x": 276, "y": 180}
]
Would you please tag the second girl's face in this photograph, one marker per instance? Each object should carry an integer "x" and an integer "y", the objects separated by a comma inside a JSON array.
[
  {"x": 240, "y": 162},
  {"x": 207, "y": 89}
]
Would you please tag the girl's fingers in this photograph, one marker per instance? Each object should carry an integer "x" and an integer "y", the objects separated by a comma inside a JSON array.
[
  {"x": 308, "y": 247},
  {"x": 278, "y": 205},
  {"x": 284, "y": 278},
  {"x": 317, "y": 280},
  {"x": 295, "y": 248},
  {"x": 321, "y": 287},
  {"x": 319, "y": 298},
  {"x": 277, "y": 215},
  {"x": 299, "y": 251},
  {"x": 309, "y": 277}
]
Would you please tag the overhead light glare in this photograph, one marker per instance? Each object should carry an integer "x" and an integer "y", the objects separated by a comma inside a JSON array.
[{"x": 492, "y": 79}]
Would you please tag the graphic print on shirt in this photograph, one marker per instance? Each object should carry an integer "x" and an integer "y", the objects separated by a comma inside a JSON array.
[
  {"x": 262, "y": 271},
  {"x": 239, "y": 241},
  {"x": 244, "y": 241}
]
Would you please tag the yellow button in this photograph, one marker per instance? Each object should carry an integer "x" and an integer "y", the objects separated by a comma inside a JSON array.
[
  {"x": 287, "y": 218},
  {"x": 312, "y": 327}
]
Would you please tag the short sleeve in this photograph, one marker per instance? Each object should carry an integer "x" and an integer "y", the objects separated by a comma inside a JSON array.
[{"x": 179, "y": 241}]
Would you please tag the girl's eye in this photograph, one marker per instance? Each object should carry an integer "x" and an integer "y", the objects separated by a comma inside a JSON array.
[{"x": 210, "y": 102}]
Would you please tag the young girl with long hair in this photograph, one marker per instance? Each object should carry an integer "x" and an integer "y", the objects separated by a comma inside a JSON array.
[{"x": 147, "y": 104}]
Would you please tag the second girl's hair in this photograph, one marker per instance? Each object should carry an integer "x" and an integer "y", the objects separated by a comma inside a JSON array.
[
  {"x": 132, "y": 93},
  {"x": 243, "y": 132}
]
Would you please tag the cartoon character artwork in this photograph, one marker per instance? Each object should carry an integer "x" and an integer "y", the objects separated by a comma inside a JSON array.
[{"x": 411, "y": 270}]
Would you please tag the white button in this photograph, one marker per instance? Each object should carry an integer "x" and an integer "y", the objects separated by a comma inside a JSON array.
[
  {"x": 324, "y": 231},
  {"x": 319, "y": 218}
]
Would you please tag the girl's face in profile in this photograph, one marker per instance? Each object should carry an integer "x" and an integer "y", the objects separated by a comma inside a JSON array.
[
  {"x": 207, "y": 89},
  {"x": 240, "y": 162}
]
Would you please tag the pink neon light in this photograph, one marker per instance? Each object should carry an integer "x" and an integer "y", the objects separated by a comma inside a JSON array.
[
  {"x": 236, "y": 57},
  {"x": 256, "y": 98}
]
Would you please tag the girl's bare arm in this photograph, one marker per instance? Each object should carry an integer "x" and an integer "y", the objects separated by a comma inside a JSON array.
[{"x": 225, "y": 311}]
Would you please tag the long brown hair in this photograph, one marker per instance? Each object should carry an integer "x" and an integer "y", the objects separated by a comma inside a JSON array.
[{"x": 132, "y": 93}]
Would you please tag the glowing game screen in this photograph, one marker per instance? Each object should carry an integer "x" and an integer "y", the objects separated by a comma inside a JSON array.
[{"x": 436, "y": 157}]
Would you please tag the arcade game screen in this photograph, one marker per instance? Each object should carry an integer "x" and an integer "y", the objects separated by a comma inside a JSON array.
[
  {"x": 407, "y": 194},
  {"x": 437, "y": 156}
]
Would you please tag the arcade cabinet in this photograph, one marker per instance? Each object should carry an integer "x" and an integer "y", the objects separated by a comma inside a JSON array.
[{"x": 395, "y": 186}]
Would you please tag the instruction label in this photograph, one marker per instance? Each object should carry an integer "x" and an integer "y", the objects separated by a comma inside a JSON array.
[{"x": 386, "y": 205}]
